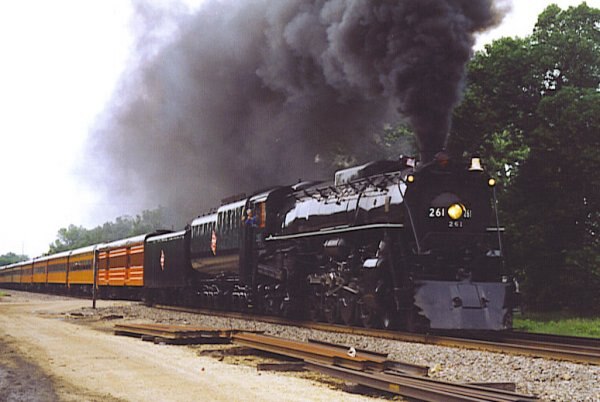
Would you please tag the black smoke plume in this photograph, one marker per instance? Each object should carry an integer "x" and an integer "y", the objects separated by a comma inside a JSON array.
[{"x": 249, "y": 94}]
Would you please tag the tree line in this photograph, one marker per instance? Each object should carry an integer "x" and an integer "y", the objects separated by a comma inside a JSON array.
[
  {"x": 73, "y": 236},
  {"x": 531, "y": 109}
]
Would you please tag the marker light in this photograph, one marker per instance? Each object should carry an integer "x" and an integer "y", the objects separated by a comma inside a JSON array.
[
  {"x": 491, "y": 182},
  {"x": 410, "y": 178},
  {"x": 455, "y": 211}
]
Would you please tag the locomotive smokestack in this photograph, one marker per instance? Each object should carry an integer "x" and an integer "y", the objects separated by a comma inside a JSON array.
[
  {"x": 427, "y": 156},
  {"x": 245, "y": 87}
]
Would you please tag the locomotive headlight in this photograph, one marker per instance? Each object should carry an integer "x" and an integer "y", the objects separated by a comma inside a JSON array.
[
  {"x": 491, "y": 182},
  {"x": 410, "y": 178},
  {"x": 455, "y": 211}
]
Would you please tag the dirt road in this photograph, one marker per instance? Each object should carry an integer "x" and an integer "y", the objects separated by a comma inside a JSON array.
[{"x": 48, "y": 358}]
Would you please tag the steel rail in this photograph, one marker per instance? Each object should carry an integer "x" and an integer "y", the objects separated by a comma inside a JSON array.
[
  {"x": 418, "y": 388},
  {"x": 374, "y": 371},
  {"x": 566, "y": 340},
  {"x": 329, "y": 353},
  {"x": 576, "y": 350}
]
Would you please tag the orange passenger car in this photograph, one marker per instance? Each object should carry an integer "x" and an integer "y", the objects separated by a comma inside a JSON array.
[{"x": 121, "y": 263}]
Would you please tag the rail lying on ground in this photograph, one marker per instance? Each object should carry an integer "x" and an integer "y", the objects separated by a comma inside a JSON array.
[
  {"x": 366, "y": 368},
  {"x": 175, "y": 334},
  {"x": 573, "y": 349},
  {"x": 375, "y": 371}
]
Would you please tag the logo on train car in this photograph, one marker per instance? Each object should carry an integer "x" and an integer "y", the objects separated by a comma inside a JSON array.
[
  {"x": 162, "y": 260},
  {"x": 213, "y": 243}
]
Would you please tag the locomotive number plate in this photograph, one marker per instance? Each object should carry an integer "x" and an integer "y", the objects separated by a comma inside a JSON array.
[{"x": 439, "y": 212}]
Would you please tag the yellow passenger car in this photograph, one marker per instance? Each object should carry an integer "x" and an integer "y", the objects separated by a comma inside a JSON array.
[
  {"x": 57, "y": 269},
  {"x": 40, "y": 272},
  {"x": 26, "y": 273},
  {"x": 9, "y": 275},
  {"x": 81, "y": 268}
]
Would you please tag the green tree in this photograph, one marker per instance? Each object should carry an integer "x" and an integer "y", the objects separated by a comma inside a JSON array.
[
  {"x": 554, "y": 203},
  {"x": 498, "y": 108},
  {"x": 11, "y": 258},
  {"x": 70, "y": 238},
  {"x": 74, "y": 237},
  {"x": 531, "y": 111},
  {"x": 388, "y": 142},
  {"x": 566, "y": 45}
]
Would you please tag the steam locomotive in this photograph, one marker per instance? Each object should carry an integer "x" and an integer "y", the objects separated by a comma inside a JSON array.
[{"x": 386, "y": 244}]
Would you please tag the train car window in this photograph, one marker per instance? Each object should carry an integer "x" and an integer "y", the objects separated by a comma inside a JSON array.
[{"x": 238, "y": 217}]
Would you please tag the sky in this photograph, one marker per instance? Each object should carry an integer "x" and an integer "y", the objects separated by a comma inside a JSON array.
[{"x": 61, "y": 62}]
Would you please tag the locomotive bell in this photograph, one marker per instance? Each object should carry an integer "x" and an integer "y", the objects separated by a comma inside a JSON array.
[{"x": 475, "y": 165}]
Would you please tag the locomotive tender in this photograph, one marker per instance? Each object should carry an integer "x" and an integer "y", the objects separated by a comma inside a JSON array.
[{"x": 386, "y": 244}]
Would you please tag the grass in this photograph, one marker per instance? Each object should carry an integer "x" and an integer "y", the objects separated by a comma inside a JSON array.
[{"x": 558, "y": 323}]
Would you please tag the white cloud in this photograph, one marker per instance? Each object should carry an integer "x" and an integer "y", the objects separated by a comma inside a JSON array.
[{"x": 522, "y": 18}]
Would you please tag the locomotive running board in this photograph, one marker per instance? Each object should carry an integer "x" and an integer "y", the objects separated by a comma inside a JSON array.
[{"x": 335, "y": 230}]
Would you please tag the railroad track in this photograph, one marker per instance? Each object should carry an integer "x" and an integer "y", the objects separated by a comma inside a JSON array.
[
  {"x": 573, "y": 349},
  {"x": 569, "y": 348}
]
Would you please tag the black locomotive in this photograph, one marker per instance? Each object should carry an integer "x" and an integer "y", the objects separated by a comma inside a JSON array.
[{"x": 388, "y": 243}]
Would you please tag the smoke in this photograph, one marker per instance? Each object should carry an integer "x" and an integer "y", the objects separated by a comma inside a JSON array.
[{"x": 249, "y": 94}]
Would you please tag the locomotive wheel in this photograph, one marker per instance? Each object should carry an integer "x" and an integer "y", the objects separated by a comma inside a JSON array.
[
  {"x": 386, "y": 320},
  {"x": 367, "y": 313},
  {"x": 285, "y": 306},
  {"x": 330, "y": 309},
  {"x": 315, "y": 307},
  {"x": 347, "y": 306},
  {"x": 415, "y": 322},
  {"x": 270, "y": 305}
]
